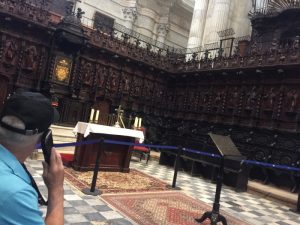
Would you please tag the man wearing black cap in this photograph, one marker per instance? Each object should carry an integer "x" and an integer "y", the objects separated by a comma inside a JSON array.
[{"x": 25, "y": 117}]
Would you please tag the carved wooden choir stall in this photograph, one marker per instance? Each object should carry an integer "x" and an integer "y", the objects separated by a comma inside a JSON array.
[{"x": 251, "y": 93}]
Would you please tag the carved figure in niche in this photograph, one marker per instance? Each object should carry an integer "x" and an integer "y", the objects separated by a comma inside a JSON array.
[
  {"x": 159, "y": 93},
  {"x": 233, "y": 98},
  {"x": 291, "y": 101},
  {"x": 148, "y": 89},
  {"x": 125, "y": 84},
  {"x": 252, "y": 98},
  {"x": 254, "y": 49},
  {"x": 100, "y": 75},
  {"x": 194, "y": 101},
  {"x": 274, "y": 47},
  {"x": 269, "y": 99},
  {"x": 10, "y": 52},
  {"x": 296, "y": 43},
  {"x": 87, "y": 73},
  {"x": 205, "y": 98},
  {"x": 136, "y": 87},
  {"x": 79, "y": 13},
  {"x": 113, "y": 84},
  {"x": 218, "y": 98},
  {"x": 30, "y": 58}
]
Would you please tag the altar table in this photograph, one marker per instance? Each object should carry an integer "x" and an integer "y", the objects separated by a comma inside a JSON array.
[{"x": 112, "y": 157}]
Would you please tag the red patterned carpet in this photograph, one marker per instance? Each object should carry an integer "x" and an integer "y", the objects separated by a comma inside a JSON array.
[
  {"x": 114, "y": 182},
  {"x": 162, "y": 208}
]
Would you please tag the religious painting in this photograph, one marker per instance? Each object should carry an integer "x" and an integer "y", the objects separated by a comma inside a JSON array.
[
  {"x": 29, "y": 61},
  {"x": 87, "y": 72},
  {"x": 62, "y": 69},
  {"x": 10, "y": 52}
]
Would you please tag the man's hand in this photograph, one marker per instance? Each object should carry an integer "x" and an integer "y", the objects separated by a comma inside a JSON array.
[{"x": 53, "y": 176}]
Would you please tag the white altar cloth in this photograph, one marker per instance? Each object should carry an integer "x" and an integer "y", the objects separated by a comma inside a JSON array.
[{"x": 87, "y": 128}]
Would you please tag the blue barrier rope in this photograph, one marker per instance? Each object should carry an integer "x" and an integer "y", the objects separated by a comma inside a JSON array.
[
  {"x": 284, "y": 167},
  {"x": 202, "y": 153},
  {"x": 136, "y": 144},
  {"x": 272, "y": 165}
]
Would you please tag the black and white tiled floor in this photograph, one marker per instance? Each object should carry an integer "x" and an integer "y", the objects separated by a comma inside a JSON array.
[
  {"x": 249, "y": 207},
  {"x": 81, "y": 209}
]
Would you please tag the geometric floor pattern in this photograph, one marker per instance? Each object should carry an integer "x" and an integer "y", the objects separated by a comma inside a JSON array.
[
  {"x": 81, "y": 209},
  {"x": 249, "y": 207},
  {"x": 163, "y": 208},
  {"x": 114, "y": 182}
]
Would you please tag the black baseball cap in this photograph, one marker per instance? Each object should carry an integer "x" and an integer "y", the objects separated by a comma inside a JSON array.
[{"x": 33, "y": 109}]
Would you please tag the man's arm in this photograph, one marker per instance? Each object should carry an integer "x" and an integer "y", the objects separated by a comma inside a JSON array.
[
  {"x": 21, "y": 207},
  {"x": 54, "y": 178}
]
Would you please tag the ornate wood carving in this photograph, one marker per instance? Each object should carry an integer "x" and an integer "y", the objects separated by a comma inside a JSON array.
[{"x": 254, "y": 96}]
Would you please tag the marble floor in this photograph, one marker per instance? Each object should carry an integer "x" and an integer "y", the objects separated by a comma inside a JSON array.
[{"x": 253, "y": 208}]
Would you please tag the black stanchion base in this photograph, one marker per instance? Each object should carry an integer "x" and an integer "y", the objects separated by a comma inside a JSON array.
[
  {"x": 174, "y": 188},
  {"x": 88, "y": 191},
  {"x": 214, "y": 218},
  {"x": 295, "y": 210}
]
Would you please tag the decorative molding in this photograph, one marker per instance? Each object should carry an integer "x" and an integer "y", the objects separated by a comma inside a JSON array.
[
  {"x": 163, "y": 29},
  {"x": 130, "y": 13}
]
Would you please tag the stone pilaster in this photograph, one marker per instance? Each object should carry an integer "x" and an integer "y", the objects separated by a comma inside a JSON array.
[
  {"x": 162, "y": 31},
  {"x": 219, "y": 20},
  {"x": 145, "y": 22},
  {"x": 130, "y": 15}
]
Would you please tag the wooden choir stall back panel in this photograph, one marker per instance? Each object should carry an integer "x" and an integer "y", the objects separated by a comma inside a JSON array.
[{"x": 112, "y": 157}]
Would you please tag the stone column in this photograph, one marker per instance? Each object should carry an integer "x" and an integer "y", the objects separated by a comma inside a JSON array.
[
  {"x": 198, "y": 23},
  {"x": 219, "y": 21},
  {"x": 130, "y": 16},
  {"x": 145, "y": 22},
  {"x": 162, "y": 31}
]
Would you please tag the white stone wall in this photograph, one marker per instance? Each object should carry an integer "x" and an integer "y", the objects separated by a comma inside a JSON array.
[
  {"x": 170, "y": 21},
  {"x": 180, "y": 22},
  {"x": 164, "y": 21},
  {"x": 111, "y": 8},
  {"x": 240, "y": 21},
  {"x": 220, "y": 15}
]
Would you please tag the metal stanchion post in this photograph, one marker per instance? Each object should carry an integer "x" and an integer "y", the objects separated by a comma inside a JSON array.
[
  {"x": 176, "y": 167},
  {"x": 298, "y": 204},
  {"x": 93, "y": 190},
  {"x": 297, "y": 209}
]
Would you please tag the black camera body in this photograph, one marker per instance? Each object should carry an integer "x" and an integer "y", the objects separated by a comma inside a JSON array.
[{"x": 47, "y": 144}]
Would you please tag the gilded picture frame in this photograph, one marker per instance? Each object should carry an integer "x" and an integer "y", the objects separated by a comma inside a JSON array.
[{"x": 62, "y": 69}]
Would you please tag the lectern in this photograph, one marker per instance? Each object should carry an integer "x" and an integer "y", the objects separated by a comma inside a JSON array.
[{"x": 227, "y": 150}]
